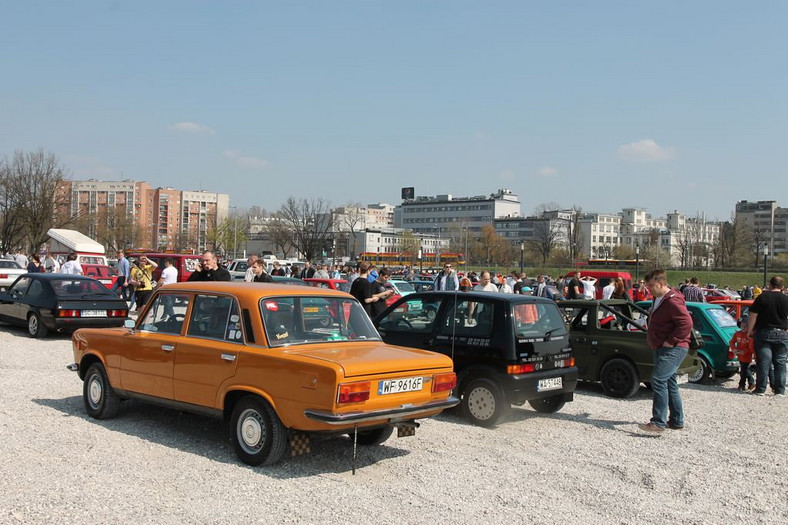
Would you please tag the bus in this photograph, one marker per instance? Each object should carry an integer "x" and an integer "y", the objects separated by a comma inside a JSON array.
[{"x": 389, "y": 259}]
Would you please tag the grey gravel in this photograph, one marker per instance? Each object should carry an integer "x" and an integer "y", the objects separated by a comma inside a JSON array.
[{"x": 587, "y": 463}]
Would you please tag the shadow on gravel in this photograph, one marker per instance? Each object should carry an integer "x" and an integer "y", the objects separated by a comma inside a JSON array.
[
  {"x": 209, "y": 437},
  {"x": 21, "y": 331}
]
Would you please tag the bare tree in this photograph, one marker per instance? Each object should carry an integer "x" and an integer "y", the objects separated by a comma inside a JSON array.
[
  {"x": 547, "y": 235},
  {"x": 31, "y": 182},
  {"x": 758, "y": 237},
  {"x": 309, "y": 223},
  {"x": 544, "y": 207},
  {"x": 279, "y": 233},
  {"x": 352, "y": 220}
]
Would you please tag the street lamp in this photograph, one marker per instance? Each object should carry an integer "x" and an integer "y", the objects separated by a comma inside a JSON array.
[
  {"x": 637, "y": 262},
  {"x": 522, "y": 255},
  {"x": 421, "y": 267},
  {"x": 765, "y": 260},
  {"x": 235, "y": 232}
]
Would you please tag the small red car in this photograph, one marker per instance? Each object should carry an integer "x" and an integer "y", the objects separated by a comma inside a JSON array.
[{"x": 106, "y": 275}]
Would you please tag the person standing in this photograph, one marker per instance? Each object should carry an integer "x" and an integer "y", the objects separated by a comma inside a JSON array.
[
  {"x": 669, "y": 327},
  {"x": 142, "y": 273},
  {"x": 259, "y": 273},
  {"x": 362, "y": 289},
  {"x": 34, "y": 266},
  {"x": 607, "y": 291},
  {"x": 72, "y": 266},
  {"x": 379, "y": 288},
  {"x": 769, "y": 321},
  {"x": 485, "y": 283},
  {"x": 574, "y": 290},
  {"x": 308, "y": 272},
  {"x": 249, "y": 275},
  {"x": 209, "y": 269},
  {"x": 50, "y": 264},
  {"x": 446, "y": 280},
  {"x": 124, "y": 272},
  {"x": 620, "y": 290},
  {"x": 169, "y": 275},
  {"x": 692, "y": 292},
  {"x": 589, "y": 287},
  {"x": 278, "y": 270}
]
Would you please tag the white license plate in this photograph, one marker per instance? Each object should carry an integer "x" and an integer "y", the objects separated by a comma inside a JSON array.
[
  {"x": 105, "y": 281},
  {"x": 395, "y": 386},
  {"x": 93, "y": 313},
  {"x": 683, "y": 378},
  {"x": 549, "y": 384}
]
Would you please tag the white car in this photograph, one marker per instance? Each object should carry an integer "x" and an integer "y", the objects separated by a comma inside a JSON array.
[
  {"x": 9, "y": 271},
  {"x": 237, "y": 269}
]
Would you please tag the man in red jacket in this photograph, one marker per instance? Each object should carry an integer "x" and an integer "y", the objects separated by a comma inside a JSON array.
[{"x": 669, "y": 327}]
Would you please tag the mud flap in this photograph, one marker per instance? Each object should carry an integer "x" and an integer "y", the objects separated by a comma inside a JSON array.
[
  {"x": 300, "y": 444},
  {"x": 407, "y": 429}
]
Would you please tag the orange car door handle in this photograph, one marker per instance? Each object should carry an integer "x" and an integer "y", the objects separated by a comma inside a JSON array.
[
  {"x": 228, "y": 357},
  {"x": 168, "y": 348}
]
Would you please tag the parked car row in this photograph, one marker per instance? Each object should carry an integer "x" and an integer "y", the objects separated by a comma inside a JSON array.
[{"x": 280, "y": 362}]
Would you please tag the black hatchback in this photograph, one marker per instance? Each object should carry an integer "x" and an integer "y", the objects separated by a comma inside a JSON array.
[
  {"x": 507, "y": 349},
  {"x": 57, "y": 301}
]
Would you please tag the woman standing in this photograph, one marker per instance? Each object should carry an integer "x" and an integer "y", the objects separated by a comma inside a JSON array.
[
  {"x": 34, "y": 266},
  {"x": 620, "y": 291}
]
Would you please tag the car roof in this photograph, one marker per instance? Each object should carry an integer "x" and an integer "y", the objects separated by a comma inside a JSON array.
[
  {"x": 59, "y": 276},
  {"x": 495, "y": 296},
  {"x": 588, "y": 302},
  {"x": 692, "y": 304},
  {"x": 253, "y": 289}
]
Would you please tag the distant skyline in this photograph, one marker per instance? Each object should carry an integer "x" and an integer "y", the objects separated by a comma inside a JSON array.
[{"x": 605, "y": 105}]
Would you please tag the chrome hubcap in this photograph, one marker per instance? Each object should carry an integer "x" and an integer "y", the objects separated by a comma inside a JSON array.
[
  {"x": 251, "y": 431},
  {"x": 481, "y": 403},
  {"x": 95, "y": 391}
]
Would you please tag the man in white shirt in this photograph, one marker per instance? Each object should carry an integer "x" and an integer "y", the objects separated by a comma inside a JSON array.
[
  {"x": 608, "y": 290},
  {"x": 485, "y": 283},
  {"x": 169, "y": 275},
  {"x": 71, "y": 266}
]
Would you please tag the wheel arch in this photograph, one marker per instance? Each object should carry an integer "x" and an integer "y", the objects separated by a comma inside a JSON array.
[
  {"x": 469, "y": 373},
  {"x": 86, "y": 362},
  {"x": 235, "y": 394}
]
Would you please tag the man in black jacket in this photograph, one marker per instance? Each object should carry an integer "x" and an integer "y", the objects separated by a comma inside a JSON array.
[
  {"x": 210, "y": 270},
  {"x": 769, "y": 321}
]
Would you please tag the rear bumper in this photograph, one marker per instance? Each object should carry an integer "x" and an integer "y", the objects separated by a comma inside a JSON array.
[
  {"x": 70, "y": 324},
  {"x": 520, "y": 388},
  {"x": 332, "y": 418}
]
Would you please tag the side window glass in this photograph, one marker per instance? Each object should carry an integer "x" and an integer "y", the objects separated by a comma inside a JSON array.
[
  {"x": 413, "y": 315},
  {"x": 166, "y": 314},
  {"x": 20, "y": 286},
  {"x": 469, "y": 319},
  {"x": 216, "y": 317},
  {"x": 36, "y": 288},
  {"x": 697, "y": 324}
]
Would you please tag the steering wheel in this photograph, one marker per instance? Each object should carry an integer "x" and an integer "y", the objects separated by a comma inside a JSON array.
[{"x": 404, "y": 321}]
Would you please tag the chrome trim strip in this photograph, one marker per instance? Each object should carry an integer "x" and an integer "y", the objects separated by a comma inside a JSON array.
[{"x": 358, "y": 417}]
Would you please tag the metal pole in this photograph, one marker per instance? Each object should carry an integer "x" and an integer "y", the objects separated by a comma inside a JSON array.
[
  {"x": 522, "y": 254},
  {"x": 765, "y": 260},
  {"x": 637, "y": 262}
]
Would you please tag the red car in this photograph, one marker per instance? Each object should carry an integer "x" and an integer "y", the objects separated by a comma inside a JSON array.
[
  {"x": 106, "y": 275},
  {"x": 714, "y": 295}
]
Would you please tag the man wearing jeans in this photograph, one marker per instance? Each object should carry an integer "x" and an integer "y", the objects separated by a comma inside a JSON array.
[
  {"x": 669, "y": 327},
  {"x": 769, "y": 320}
]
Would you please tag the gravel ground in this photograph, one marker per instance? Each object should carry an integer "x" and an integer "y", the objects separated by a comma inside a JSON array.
[{"x": 586, "y": 463}]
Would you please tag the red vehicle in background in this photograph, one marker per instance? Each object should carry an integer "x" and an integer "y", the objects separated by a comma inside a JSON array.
[
  {"x": 715, "y": 295},
  {"x": 104, "y": 274}
]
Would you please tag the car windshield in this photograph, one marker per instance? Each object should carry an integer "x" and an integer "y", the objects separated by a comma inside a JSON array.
[
  {"x": 308, "y": 320},
  {"x": 721, "y": 317},
  {"x": 78, "y": 288},
  {"x": 537, "y": 319}
]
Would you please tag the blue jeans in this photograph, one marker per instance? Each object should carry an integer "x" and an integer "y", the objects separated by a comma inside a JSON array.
[
  {"x": 745, "y": 375},
  {"x": 665, "y": 388},
  {"x": 119, "y": 285},
  {"x": 771, "y": 347}
]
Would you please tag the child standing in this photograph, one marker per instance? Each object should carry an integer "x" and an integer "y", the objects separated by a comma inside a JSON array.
[{"x": 744, "y": 348}]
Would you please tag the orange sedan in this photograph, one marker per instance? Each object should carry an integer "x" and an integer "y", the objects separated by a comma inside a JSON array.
[{"x": 278, "y": 362}]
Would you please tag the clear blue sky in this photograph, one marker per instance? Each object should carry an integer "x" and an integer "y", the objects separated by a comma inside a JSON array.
[{"x": 660, "y": 104}]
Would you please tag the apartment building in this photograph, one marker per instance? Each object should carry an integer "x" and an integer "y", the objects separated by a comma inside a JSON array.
[{"x": 767, "y": 222}]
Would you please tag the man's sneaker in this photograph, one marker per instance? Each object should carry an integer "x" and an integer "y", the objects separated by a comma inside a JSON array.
[
  {"x": 779, "y": 395},
  {"x": 674, "y": 426},
  {"x": 651, "y": 427},
  {"x": 751, "y": 387},
  {"x": 756, "y": 393}
]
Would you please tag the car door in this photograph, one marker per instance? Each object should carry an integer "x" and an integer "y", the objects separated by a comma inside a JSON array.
[
  {"x": 148, "y": 355},
  {"x": 577, "y": 320},
  {"x": 14, "y": 303},
  {"x": 412, "y": 323},
  {"x": 465, "y": 332},
  {"x": 208, "y": 354}
]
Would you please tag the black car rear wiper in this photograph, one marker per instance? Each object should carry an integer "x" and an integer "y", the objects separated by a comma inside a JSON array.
[{"x": 548, "y": 333}]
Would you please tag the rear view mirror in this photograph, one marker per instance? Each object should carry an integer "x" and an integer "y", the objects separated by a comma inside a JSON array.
[{"x": 129, "y": 323}]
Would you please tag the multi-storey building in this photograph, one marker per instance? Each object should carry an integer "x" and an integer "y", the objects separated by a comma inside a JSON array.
[
  {"x": 600, "y": 234},
  {"x": 766, "y": 222},
  {"x": 162, "y": 218},
  {"x": 441, "y": 213}
]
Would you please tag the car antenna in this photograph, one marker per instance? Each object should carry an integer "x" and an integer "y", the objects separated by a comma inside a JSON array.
[{"x": 454, "y": 322}]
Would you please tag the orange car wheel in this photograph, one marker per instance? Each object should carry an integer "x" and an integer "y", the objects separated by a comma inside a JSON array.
[{"x": 101, "y": 401}]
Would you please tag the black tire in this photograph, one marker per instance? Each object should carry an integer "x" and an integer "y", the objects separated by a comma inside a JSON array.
[
  {"x": 704, "y": 374},
  {"x": 548, "y": 405},
  {"x": 101, "y": 401},
  {"x": 258, "y": 436},
  {"x": 35, "y": 327},
  {"x": 619, "y": 378},
  {"x": 726, "y": 375},
  {"x": 376, "y": 436},
  {"x": 483, "y": 403}
]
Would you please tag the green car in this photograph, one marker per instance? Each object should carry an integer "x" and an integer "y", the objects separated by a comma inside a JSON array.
[
  {"x": 717, "y": 327},
  {"x": 611, "y": 346}
]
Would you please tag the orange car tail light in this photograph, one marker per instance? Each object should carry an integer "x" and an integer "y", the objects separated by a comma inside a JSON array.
[
  {"x": 353, "y": 392},
  {"x": 117, "y": 313},
  {"x": 521, "y": 369},
  {"x": 68, "y": 313},
  {"x": 443, "y": 382}
]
